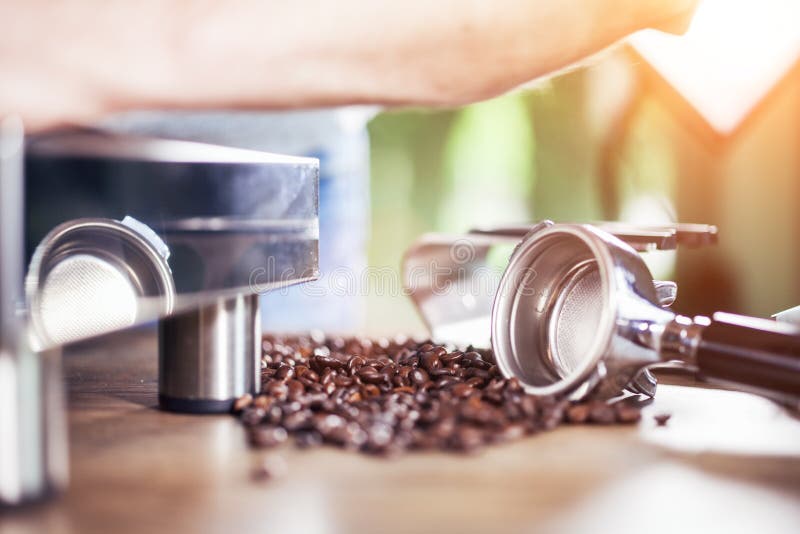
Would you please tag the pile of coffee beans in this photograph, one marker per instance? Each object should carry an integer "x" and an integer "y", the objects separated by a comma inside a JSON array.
[{"x": 388, "y": 396}]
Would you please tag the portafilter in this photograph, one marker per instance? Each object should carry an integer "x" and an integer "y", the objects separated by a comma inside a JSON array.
[{"x": 576, "y": 311}]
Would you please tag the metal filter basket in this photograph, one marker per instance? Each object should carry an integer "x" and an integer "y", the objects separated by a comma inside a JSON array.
[
  {"x": 116, "y": 269},
  {"x": 568, "y": 309}
]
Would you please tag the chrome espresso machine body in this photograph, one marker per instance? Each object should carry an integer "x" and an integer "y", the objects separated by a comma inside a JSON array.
[{"x": 121, "y": 231}]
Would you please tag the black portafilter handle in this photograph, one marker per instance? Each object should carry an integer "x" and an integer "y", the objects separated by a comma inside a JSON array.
[{"x": 752, "y": 354}]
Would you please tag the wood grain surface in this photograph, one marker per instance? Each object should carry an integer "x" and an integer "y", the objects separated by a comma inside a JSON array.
[{"x": 725, "y": 462}]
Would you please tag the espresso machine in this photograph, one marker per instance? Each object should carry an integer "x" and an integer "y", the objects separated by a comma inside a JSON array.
[{"x": 101, "y": 232}]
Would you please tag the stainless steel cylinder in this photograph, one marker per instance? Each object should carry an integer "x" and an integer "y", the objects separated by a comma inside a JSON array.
[
  {"x": 33, "y": 443},
  {"x": 210, "y": 356}
]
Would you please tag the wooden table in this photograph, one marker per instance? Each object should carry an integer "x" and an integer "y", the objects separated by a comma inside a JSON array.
[{"x": 725, "y": 462}]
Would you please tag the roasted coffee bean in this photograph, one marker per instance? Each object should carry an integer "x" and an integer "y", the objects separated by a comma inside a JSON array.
[
  {"x": 475, "y": 381},
  {"x": 386, "y": 396},
  {"x": 263, "y": 402},
  {"x": 310, "y": 384},
  {"x": 290, "y": 407},
  {"x": 476, "y": 411},
  {"x": 513, "y": 411},
  {"x": 382, "y": 359},
  {"x": 412, "y": 360},
  {"x": 601, "y": 412},
  {"x": 368, "y": 375},
  {"x": 326, "y": 423},
  {"x": 354, "y": 364},
  {"x": 327, "y": 376},
  {"x": 350, "y": 436},
  {"x": 626, "y": 413},
  {"x": 271, "y": 468},
  {"x": 487, "y": 355},
  {"x": 662, "y": 418},
  {"x": 343, "y": 381},
  {"x": 426, "y": 386},
  {"x": 321, "y": 351},
  {"x": 451, "y": 358},
  {"x": 494, "y": 398},
  {"x": 284, "y": 371},
  {"x": 252, "y": 416},
  {"x": 532, "y": 426},
  {"x": 444, "y": 428},
  {"x": 431, "y": 361},
  {"x": 527, "y": 405},
  {"x": 495, "y": 386},
  {"x": 463, "y": 390},
  {"x": 298, "y": 420},
  {"x": 335, "y": 343},
  {"x": 319, "y": 363},
  {"x": 553, "y": 415},
  {"x": 305, "y": 439},
  {"x": 277, "y": 389},
  {"x": 242, "y": 402},
  {"x": 473, "y": 372},
  {"x": 295, "y": 389},
  {"x": 274, "y": 414},
  {"x": 314, "y": 399},
  {"x": 267, "y": 436},
  {"x": 578, "y": 413},
  {"x": 314, "y": 386},
  {"x": 446, "y": 382},
  {"x": 512, "y": 384},
  {"x": 370, "y": 390},
  {"x": 348, "y": 411},
  {"x": 379, "y": 437},
  {"x": 267, "y": 373},
  {"x": 473, "y": 359},
  {"x": 418, "y": 377},
  {"x": 466, "y": 438}
]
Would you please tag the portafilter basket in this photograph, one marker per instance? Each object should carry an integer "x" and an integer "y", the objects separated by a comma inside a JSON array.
[
  {"x": 577, "y": 311},
  {"x": 91, "y": 276}
]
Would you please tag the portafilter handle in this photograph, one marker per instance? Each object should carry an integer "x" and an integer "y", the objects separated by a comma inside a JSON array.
[{"x": 748, "y": 353}]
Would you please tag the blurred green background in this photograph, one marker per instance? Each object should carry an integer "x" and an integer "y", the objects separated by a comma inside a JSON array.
[{"x": 608, "y": 141}]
